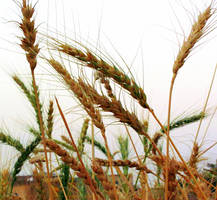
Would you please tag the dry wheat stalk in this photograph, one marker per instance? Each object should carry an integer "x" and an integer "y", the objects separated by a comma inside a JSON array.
[
  {"x": 197, "y": 31},
  {"x": 29, "y": 30}
]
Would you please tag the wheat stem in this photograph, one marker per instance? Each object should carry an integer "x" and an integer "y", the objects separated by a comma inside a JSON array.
[{"x": 76, "y": 149}]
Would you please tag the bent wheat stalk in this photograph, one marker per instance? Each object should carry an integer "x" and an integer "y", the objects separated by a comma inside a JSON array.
[{"x": 89, "y": 180}]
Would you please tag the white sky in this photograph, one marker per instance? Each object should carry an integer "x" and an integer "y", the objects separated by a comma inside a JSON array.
[{"x": 147, "y": 34}]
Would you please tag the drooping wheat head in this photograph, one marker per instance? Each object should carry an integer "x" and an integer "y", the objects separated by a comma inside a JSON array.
[{"x": 73, "y": 164}]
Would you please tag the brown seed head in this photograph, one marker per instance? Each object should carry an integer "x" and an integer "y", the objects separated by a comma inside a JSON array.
[{"x": 196, "y": 33}]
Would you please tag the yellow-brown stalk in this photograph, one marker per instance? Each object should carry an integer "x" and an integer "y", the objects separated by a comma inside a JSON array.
[
  {"x": 28, "y": 45},
  {"x": 142, "y": 175},
  {"x": 76, "y": 149},
  {"x": 195, "y": 35}
]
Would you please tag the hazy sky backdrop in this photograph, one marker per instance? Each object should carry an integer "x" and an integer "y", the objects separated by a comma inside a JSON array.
[{"x": 146, "y": 34}]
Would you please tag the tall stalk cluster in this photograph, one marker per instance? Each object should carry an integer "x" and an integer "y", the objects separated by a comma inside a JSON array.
[{"x": 82, "y": 174}]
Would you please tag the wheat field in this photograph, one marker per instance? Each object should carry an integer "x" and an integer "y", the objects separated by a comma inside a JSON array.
[{"x": 95, "y": 103}]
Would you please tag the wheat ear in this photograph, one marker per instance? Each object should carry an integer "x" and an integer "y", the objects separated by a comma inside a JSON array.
[
  {"x": 107, "y": 70},
  {"x": 123, "y": 163},
  {"x": 114, "y": 106},
  {"x": 83, "y": 134},
  {"x": 50, "y": 120},
  {"x": 194, "y": 158},
  {"x": 23, "y": 157},
  {"x": 72, "y": 163},
  {"x": 197, "y": 31},
  {"x": 109, "y": 188},
  {"x": 4, "y": 138}
]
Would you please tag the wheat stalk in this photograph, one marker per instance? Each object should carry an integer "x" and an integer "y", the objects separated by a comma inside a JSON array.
[
  {"x": 28, "y": 44},
  {"x": 196, "y": 33}
]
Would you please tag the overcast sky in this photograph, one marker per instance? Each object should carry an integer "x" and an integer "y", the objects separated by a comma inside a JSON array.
[{"x": 147, "y": 35}]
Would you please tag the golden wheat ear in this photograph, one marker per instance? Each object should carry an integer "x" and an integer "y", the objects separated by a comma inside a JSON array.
[{"x": 197, "y": 31}]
